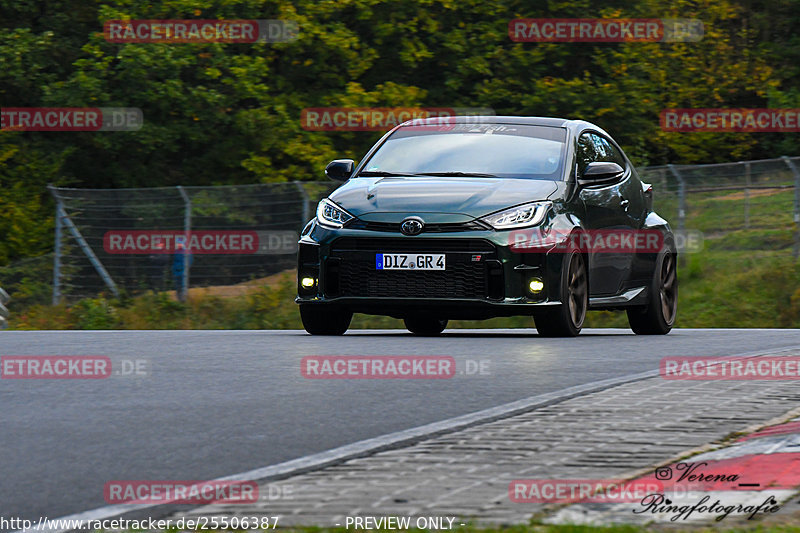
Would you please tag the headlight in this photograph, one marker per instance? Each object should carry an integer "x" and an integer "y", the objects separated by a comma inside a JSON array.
[
  {"x": 331, "y": 215},
  {"x": 521, "y": 216}
]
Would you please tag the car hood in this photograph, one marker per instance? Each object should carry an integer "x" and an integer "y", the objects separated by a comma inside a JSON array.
[{"x": 391, "y": 199}]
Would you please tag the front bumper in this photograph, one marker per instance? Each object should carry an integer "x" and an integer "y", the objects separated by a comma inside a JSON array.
[{"x": 483, "y": 277}]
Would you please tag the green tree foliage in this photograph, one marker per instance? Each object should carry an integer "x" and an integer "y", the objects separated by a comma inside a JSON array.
[{"x": 230, "y": 113}]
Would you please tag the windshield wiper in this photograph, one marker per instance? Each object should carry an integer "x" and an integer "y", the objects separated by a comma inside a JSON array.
[
  {"x": 459, "y": 174},
  {"x": 378, "y": 173}
]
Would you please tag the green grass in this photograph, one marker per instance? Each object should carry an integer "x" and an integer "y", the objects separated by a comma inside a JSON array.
[
  {"x": 718, "y": 288},
  {"x": 542, "y": 528},
  {"x": 724, "y": 211},
  {"x": 574, "y": 529}
]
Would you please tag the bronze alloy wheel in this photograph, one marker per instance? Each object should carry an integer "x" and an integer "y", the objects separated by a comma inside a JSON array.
[
  {"x": 658, "y": 316},
  {"x": 668, "y": 290},
  {"x": 566, "y": 320},
  {"x": 577, "y": 287}
]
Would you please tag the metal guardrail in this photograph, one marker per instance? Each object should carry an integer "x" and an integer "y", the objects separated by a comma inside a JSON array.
[{"x": 4, "y": 314}]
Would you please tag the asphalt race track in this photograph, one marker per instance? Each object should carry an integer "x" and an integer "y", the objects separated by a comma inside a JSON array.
[{"x": 215, "y": 403}]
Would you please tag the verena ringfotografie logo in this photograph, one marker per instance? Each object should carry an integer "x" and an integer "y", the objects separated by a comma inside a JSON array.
[
  {"x": 580, "y": 490},
  {"x": 731, "y": 120},
  {"x": 377, "y": 367},
  {"x": 605, "y": 30},
  {"x": 730, "y": 368},
  {"x": 153, "y": 242},
  {"x": 380, "y": 118},
  {"x": 71, "y": 119},
  {"x": 69, "y": 367},
  {"x": 200, "y": 31},
  {"x": 192, "y": 492}
]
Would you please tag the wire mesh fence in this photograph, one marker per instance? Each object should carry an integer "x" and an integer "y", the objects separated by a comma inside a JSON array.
[
  {"x": 747, "y": 205},
  {"x": 750, "y": 206},
  {"x": 133, "y": 240}
]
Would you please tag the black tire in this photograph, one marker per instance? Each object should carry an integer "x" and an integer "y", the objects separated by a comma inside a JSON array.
[
  {"x": 566, "y": 320},
  {"x": 658, "y": 316},
  {"x": 325, "y": 319},
  {"x": 425, "y": 326}
]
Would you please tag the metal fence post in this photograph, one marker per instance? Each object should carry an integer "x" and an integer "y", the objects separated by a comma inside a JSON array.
[
  {"x": 57, "y": 251},
  {"x": 98, "y": 266},
  {"x": 187, "y": 228},
  {"x": 4, "y": 314},
  {"x": 796, "y": 218},
  {"x": 681, "y": 207},
  {"x": 747, "y": 195},
  {"x": 306, "y": 207}
]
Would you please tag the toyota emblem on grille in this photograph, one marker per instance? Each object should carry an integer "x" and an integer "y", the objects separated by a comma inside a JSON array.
[{"x": 411, "y": 226}]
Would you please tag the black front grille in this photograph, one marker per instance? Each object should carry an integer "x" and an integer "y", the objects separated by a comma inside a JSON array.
[
  {"x": 427, "y": 228},
  {"x": 472, "y": 270}
]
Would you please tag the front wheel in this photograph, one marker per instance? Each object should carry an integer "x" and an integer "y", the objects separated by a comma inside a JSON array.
[
  {"x": 425, "y": 326},
  {"x": 658, "y": 316},
  {"x": 322, "y": 319},
  {"x": 566, "y": 320}
]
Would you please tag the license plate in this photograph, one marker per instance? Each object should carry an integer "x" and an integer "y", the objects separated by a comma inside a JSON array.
[{"x": 409, "y": 261}]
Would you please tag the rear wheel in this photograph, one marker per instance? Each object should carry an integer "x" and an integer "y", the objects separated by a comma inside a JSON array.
[
  {"x": 566, "y": 320},
  {"x": 324, "y": 319},
  {"x": 658, "y": 316},
  {"x": 425, "y": 326}
]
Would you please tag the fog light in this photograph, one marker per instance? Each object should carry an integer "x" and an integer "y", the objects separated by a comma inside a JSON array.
[
  {"x": 535, "y": 285},
  {"x": 307, "y": 283}
]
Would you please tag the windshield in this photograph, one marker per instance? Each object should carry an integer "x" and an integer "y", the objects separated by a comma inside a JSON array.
[{"x": 479, "y": 150}]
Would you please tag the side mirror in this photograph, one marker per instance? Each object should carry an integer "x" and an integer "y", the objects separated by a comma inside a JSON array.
[
  {"x": 600, "y": 173},
  {"x": 340, "y": 169}
]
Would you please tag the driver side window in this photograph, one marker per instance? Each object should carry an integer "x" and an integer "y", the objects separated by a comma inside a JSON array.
[
  {"x": 586, "y": 153},
  {"x": 592, "y": 147}
]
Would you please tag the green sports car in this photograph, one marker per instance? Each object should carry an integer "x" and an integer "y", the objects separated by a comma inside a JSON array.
[{"x": 479, "y": 217}]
